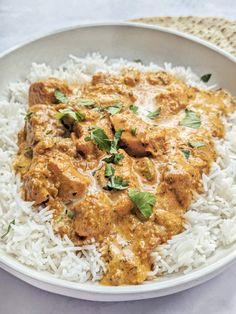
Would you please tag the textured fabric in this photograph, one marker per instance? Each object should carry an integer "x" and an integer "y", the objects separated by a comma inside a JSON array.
[{"x": 218, "y": 31}]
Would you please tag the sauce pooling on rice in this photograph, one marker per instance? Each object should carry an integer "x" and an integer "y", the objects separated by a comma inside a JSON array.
[{"x": 118, "y": 160}]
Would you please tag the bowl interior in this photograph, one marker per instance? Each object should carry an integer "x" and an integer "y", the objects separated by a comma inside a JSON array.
[{"x": 150, "y": 44}]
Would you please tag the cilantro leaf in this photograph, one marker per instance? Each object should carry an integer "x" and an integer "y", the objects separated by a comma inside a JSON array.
[
  {"x": 152, "y": 115},
  {"x": 144, "y": 201},
  {"x": 206, "y": 77},
  {"x": 85, "y": 102},
  {"x": 103, "y": 142},
  {"x": 8, "y": 229},
  {"x": 186, "y": 153},
  {"x": 191, "y": 120},
  {"x": 75, "y": 115},
  {"x": 115, "y": 141},
  {"x": 109, "y": 170},
  {"x": 138, "y": 61},
  {"x": 28, "y": 152},
  {"x": 116, "y": 183},
  {"x": 100, "y": 138},
  {"x": 196, "y": 144},
  {"x": 28, "y": 115},
  {"x": 114, "y": 159},
  {"x": 60, "y": 97},
  {"x": 114, "y": 109},
  {"x": 134, "y": 131},
  {"x": 133, "y": 108}
]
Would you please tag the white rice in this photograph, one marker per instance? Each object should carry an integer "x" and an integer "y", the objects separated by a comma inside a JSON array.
[{"x": 210, "y": 222}]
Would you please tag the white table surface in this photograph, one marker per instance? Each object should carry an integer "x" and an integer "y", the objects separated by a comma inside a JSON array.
[{"x": 19, "y": 20}]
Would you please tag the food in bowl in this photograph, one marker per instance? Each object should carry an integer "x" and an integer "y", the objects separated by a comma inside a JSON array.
[{"x": 112, "y": 160}]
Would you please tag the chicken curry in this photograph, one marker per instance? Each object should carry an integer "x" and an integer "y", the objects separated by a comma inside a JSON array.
[{"x": 118, "y": 159}]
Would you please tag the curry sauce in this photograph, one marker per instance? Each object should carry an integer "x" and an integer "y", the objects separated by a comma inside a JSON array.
[{"x": 118, "y": 159}]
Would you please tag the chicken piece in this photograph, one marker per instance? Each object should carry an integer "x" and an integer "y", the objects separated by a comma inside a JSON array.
[
  {"x": 124, "y": 269},
  {"x": 63, "y": 145},
  {"x": 171, "y": 102},
  {"x": 180, "y": 182},
  {"x": 42, "y": 123},
  {"x": 131, "y": 77},
  {"x": 42, "y": 92},
  {"x": 123, "y": 204},
  {"x": 71, "y": 183},
  {"x": 166, "y": 200},
  {"x": 38, "y": 186},
  {"x": 103, "y": 78},
  {"x": 147, "y": 140},
  {"x": 159, "y": 78},
  {"x": 171, "y": 221},
  {"x": 93, "y": 215}
]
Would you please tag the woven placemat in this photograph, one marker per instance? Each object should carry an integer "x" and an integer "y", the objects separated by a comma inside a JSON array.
[{"x": 218, "y": 31}]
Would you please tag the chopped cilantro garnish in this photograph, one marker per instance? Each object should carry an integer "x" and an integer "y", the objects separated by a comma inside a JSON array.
[
  {"x": 144, "y": 201},
  {"x": 116, "y": 183},
  {"x": 138, "y": 61},
  {"x": 75, "y": 115},
  {"x": 60, "y": 97},
  {"x": 109, "y": 170},
  {"x": 191, "y": 120},
  {"x": 115, "y": 141},
  {"x": 28, "y": 115},
  {"x": 196, "y": 144},
  {"x": 85, "y": 102},
  {"x": 133, "y": 108},
  {"x": 100, "y": 138},
  {"x": 134, "y": 131},
  {"x": 206, "y": 77},
  {"x": 186, "y": 153},
  {"x": 114, "y": 109},
  {"x": 152, "y": 115},
  {"x": 70, "y": 213},
  {"x": 103, "y": 142}
]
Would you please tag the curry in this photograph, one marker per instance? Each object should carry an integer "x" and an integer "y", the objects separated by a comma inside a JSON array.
[{"x": 118, "y": 159}]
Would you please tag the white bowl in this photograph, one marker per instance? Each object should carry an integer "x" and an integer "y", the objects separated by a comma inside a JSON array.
[{"x": 131, "y": 41}]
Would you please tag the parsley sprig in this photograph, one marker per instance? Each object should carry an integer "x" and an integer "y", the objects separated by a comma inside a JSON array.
[
  {"x": 109, "y": 171},
  {"x": 28, "y": 115}
]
